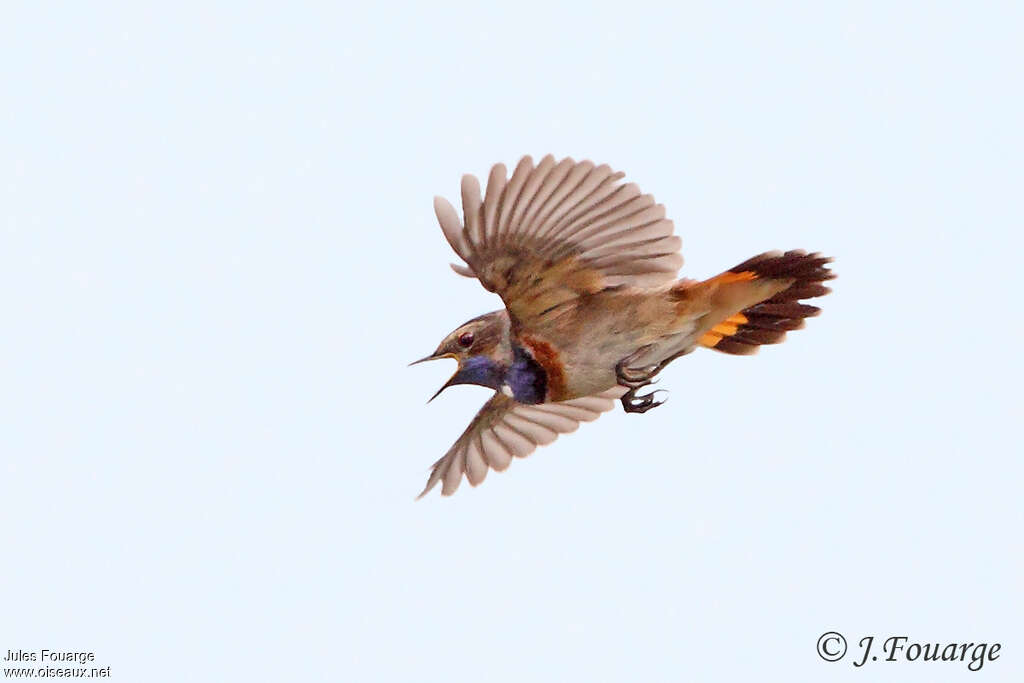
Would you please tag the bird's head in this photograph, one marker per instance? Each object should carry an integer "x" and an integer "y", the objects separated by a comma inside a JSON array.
[{"x": 481, "y": 347}]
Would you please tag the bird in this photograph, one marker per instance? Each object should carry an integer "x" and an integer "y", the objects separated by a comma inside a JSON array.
[{"x": 587, "y": 267}]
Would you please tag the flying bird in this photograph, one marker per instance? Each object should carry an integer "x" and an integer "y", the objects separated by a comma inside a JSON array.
[{"x": 587, "y": 268}]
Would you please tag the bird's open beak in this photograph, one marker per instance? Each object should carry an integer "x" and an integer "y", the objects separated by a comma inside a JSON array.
[
  {"x": 437, "y": 356},
  {"x": 447, "y": 384}
]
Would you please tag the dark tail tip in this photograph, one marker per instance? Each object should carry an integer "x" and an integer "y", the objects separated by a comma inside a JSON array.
[
  {"x": 768, "y": 321},
  {"x": 808, "y": 270}
]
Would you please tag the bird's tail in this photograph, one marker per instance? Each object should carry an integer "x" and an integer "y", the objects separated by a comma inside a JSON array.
[{"x": 758, "y": 301}]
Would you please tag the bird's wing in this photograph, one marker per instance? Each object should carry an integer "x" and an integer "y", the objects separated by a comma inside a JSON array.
[
  {"x": 505, "y": 428},
  {"x": 555, "y": 231}
]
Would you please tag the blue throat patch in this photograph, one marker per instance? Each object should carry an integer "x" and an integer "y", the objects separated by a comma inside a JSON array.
[
  {"x": 526, "y": 377},
  {"x": 481, "y": 370}
]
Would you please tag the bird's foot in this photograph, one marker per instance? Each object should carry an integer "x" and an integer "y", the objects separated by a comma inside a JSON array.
[
  {"x": 634, "y": 378},
  {"x": 631, "y": 403}
]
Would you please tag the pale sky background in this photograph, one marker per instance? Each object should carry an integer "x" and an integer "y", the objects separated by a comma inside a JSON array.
[{"x": 218, "y": 253}]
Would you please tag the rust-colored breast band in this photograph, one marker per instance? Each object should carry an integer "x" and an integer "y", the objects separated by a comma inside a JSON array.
[{"x": 547, "y": 357}]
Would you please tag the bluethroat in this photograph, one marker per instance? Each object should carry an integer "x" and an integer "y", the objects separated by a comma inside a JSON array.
[{"x": 587, "y": 268}]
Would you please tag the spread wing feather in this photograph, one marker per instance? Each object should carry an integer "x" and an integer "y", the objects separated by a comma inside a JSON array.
[
  {"x": 555, "y": 231},
  {"x": 505, "y": 429}
]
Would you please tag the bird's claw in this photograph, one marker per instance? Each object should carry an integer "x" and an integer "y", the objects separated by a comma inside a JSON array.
[
  {"x": 632, "y": 403},
  {"x": 634, "y": 378}
]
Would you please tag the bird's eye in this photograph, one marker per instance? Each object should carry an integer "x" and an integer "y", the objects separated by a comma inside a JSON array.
[{"x": 466, "y": 339}]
